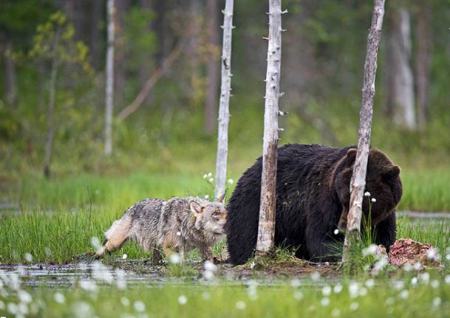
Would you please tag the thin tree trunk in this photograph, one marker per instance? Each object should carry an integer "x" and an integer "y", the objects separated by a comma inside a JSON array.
[
  {"x": 10, "y": 75},
  {"x": 51, "y": 109},
  {"x": 224, "y": 113},
  {"x": 401, "y": 85},
  {"x": 151, "y": 81},
  {"x": 109, "y": 92},
  {"x": 423, "y": 60},
  {"x": 267, "y": 210},
  {"x": 95, "y": 34},
  {"x": 213, "y": 68},
  {"x": 358, "y": 180}
]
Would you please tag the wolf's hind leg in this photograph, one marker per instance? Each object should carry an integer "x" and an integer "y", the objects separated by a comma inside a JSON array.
[{"x": 116, "y": 236}]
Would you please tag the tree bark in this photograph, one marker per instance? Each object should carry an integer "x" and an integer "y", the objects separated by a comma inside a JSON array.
[
  {"x": 51, "y": 108},
  {"x": 423, "y": 61},
  {"x": 224, "y": 113},
  {"x": 212, "y": 68},
  {"x": 267, "y": 210},
  {"x": 401, "y": 83},
  {"x": 109, "y": 90},
  {"x": 358, "y": 180},
  {"x": 150, "y": 82},
  {"x": 10, "y": 75}
]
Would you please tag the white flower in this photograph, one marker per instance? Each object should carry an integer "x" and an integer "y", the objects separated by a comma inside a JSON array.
[
  {"x": 404, "y": 294},
  {"x": 353, "y": 289},
  {"x": 432, "y": 254},
  {"x": 88, "y": 285},
  {"x": 367, "y": 194},
  {"x": 182, "y": 300},
  {"x": 205, "y": 176},
  {"x": 437, "y": 302},
  {"x": 337, "y": 289},
  {"x": 124, "y": 256},
  {"x": 175, "y": 258},
  {"x": 208, "y": 275},
  {"x": 417, "y": 266},
  {"x": 178, "y": 233},
  {"x": 370, "y": 283},
  {"x": 407, "y": 267},
  {"x": 125, "y": 302},
  {"x": 240, "y": 305},
  {"x": 295, "y": 282},
  {"x": 95, "y": 242},
  {"x": 424, "y": 277},
  {"x": 373, "y": 200},
  {"x": 230, "y": 181},
  {"x": 447, "y": 279},
  {"x": 336, "y": 232},
  {"x": 298, "y": 295},
  {"x": 336, "y": 312},
  {"x": 24, "y": 297},
  {"x": 207, "y": 197},
  {"x": 211, "y": 180},
  {"x": 139, "y": 306},
  {"x": 414, "y": 281},
  {"x": 326, "y": 290},
  {"x": 28, "y": 257},
  {"x": 59, "y": 298},
  {"x": 370, "y": 250},
  {"x": 325, "y": 301},
  {"x": 434, "y": 283},
  {"x": 210, "y": 266},
  {"x": 209, "y": 174},
  {"x": 315, "y": 276},
  {"x": 354, "y": 306}
]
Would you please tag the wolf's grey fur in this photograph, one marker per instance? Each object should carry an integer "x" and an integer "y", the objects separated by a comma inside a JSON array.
[{"x": 176, "y": 225}]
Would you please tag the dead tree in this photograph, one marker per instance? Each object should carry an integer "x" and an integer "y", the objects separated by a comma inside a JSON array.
[
  {"x": 109, "y": 90},
  {"x": 358, "y": 180},
  {"x": 267, "y": 210},
  {"x": 224, "y": 113}
]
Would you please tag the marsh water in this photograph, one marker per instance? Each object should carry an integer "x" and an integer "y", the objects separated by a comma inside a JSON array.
[{"x": 143, "y": 271}]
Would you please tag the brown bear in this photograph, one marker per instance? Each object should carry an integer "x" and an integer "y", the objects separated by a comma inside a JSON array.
[{"x": 313, "y": 193}]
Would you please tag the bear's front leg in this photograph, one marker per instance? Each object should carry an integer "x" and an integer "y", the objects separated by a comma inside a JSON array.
[
  {"x": 322, "y": 247},
  {"x": 385, "y": 232}
]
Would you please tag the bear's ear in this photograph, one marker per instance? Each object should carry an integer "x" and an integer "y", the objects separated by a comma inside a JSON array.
[
  {"x": 392, "y": 172},
  {"x": 350, "y": 157}
]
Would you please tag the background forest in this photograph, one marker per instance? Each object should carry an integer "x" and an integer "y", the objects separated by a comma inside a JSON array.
[{"x": 58, "y": 48}]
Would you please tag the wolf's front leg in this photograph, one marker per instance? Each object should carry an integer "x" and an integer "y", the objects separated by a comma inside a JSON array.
[{"x": 206, "y": 253}]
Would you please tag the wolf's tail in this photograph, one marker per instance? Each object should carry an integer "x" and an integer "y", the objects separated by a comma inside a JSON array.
[{"x": 116, "y": 235}]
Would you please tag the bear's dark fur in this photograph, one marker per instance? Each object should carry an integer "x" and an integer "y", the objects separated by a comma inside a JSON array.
[{"x": 313, "y": 185}]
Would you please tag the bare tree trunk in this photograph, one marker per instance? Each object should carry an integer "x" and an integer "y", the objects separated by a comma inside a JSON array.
[
  {"x": 213, "y": 68},
  {"x": 358, "y": 180},
  {"x": 95, "y": 34},
  {"x": 10, "y": 75},
  {"x": 109, "y": 92},
  {"x": 423, "y": 60},
  {"x": 120, "y": 59},
  {"x": 224, "y": 113},
  {"x": 51, "y": 109},
  {"x": 267, "y": 210},
  {"x": 401, "y": 86}
]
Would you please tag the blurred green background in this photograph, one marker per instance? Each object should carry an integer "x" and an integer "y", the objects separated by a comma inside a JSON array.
[{"x": 173, "y": 132}]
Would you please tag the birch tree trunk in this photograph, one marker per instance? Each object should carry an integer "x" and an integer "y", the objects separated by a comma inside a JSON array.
[
  {"x": 267, "y": 210},
  {"x": 423, "y": 60},
  {"x": 212, "y": 68},
  {"x": 224, "y": 113},
  {"x": 51, "y": 109},
  {"x": 10, "y": 75},
  {"x": 358, "y": 180},
  {"x": 401, "y": 86},
  {"x": 109, "y": 91}
]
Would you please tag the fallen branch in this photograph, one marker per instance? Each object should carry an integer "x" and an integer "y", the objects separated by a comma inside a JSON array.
[{"x": 152, "y": 80}]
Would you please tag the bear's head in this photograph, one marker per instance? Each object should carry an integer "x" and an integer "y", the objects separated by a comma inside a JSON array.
[{"x": 383, "y": 188}]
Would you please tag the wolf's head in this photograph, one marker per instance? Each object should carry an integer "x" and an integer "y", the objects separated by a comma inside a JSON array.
[{"x": 210, "y": 217}]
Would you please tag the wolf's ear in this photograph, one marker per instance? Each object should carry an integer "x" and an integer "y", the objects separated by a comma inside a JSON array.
[{"x": 195, "y": 208}]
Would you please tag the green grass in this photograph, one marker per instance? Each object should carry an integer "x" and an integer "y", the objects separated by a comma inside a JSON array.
[
  {"x": 225, "y": 300},
  {"x": 58, "y": 218}
]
